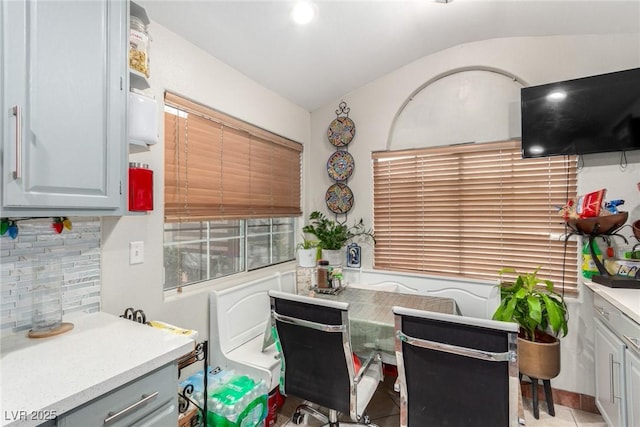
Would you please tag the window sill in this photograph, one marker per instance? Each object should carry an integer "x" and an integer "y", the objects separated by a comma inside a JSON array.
[{"x": 227, "y": 282}]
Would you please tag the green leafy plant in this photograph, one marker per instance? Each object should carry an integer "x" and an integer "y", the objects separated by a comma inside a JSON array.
[
  {"x": 307, "y": 243},
  {"x": 332, "y": 234},
  {"x": 536, "y": 309}
]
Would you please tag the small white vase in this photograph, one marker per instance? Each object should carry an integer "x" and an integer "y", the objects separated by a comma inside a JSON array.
[
  {"x": 307, "y": 257},
  {"x": 336, "y": 257}
]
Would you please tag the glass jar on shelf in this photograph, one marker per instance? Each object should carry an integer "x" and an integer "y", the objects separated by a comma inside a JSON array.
[{"x": 138, "y": 46}]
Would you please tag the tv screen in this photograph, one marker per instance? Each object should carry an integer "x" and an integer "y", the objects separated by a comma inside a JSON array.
[{"x": 588, "y": 115}]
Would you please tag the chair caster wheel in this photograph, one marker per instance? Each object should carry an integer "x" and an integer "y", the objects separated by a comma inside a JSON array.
[{"x": 297, "y": 418}]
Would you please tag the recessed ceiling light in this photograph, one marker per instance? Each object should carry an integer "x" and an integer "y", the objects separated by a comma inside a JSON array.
[{"x": 303, "y": 12}]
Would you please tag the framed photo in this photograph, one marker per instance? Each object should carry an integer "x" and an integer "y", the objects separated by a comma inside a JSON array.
[{"x": 353, "y": 255}]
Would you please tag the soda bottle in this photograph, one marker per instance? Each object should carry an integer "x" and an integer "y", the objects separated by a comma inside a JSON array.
[{"x": 589, "y": 268}]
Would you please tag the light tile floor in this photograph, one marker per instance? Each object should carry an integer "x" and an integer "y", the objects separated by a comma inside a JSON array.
[
  {"x": 384, "y": 410},
  {"x": 565, "y": 417}
]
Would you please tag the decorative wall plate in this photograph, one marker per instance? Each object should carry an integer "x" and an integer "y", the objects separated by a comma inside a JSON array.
[
  {"x": 340, "y": 165},
  {"x": 341, "y": 131},
  {"x": 339, "y": 198}
]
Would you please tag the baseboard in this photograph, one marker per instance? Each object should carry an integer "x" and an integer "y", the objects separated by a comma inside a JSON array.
[{"x": 583, "y": 402}]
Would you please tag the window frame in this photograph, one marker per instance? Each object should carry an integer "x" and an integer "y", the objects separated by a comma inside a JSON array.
[
  {"x": 402, "y": 195},
  {"x": 220, "y": 168}
]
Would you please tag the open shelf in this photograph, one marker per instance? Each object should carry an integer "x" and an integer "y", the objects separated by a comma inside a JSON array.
[
  {"x": 137, "y": 146},
  {"x": 138, "y": 80},
  {"x": 140, "y": 12}
]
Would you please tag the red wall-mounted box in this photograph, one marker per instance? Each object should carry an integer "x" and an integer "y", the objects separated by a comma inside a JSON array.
[{"x": 140, "y": 187}]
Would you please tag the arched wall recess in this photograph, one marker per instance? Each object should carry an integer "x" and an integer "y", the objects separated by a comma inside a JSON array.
[{"x": 472, "y": 104}]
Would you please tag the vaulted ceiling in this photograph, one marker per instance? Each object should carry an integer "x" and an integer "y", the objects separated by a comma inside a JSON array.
[{"x": 351, "y": 43}]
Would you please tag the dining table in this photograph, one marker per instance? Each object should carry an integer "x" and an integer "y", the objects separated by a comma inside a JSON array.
[
  {"x": 372, "y": 320},
  {"x": 370, "y": 313}
]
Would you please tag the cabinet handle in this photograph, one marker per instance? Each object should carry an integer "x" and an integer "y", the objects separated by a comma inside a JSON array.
[
  {"x": 17, "y": 111},
  {"x": 635, "y": 342},
  {"x": 602, "y": 311},
  {"x": 611, "y": 395},
  {"x": 146, "y": 398}
]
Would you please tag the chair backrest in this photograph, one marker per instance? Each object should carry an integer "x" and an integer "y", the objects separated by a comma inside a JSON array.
[
  {"x": 317, "y": 364},
  {"x": 456, "y": 370}
]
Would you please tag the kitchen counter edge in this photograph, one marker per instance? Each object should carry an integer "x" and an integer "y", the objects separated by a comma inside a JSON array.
[
  {"x": 101, "y": 353},
  {"x": 626, "y": 300}
]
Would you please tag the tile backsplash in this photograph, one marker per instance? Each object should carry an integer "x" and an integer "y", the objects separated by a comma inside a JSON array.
[{"x": 78, "y": 252}]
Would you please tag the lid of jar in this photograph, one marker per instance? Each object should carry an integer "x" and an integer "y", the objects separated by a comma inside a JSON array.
[
  {"x": 136, "y": 23},
  {"x": 323, "y": 262}
]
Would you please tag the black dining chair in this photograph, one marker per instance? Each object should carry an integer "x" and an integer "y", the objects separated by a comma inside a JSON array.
[
  {"x": 456, "y": 371},
  {"x": 317, "y": 362}
]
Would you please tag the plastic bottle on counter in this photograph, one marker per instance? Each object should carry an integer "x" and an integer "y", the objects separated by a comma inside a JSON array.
[{"x": 589, "y": 268}]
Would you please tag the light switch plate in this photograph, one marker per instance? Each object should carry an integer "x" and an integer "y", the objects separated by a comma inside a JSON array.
[{"x": 136, "y": 252}]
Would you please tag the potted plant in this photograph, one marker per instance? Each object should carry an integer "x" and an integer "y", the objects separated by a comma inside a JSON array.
[
  {"x": 333, "y": 235},
  {"x": 542, "y": 316},
  {"x": 307, "y": 251}
]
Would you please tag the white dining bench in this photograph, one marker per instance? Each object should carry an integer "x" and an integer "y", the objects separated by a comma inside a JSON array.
[{"x": 239, "y": 317}]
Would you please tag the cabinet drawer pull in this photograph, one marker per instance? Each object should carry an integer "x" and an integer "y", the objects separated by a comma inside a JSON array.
[
  {"x": 602, "y": 311},
  {"x": 635, "y": 342},
  {"x": 146, "y": 398},
  {"x": 17, "y": 111}
]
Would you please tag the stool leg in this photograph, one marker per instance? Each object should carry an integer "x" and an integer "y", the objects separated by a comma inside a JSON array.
[
  {"x": 534, "y": 396},
  {"x": 549, "y": 397}
]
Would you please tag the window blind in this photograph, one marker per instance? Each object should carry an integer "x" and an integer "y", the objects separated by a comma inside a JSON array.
[
  {"x": 469, "y": 210},
  {"x": 219, "y": 167}
]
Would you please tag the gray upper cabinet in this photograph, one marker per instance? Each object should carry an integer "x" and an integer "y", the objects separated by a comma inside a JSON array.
[{"x": 64, "y": 88}]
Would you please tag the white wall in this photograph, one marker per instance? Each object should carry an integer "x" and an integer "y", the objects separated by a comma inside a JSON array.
[
  {"x": 179, "y": 66},
  {"x": 182, "y": 68},
  {"x": 534, "y": 60}
]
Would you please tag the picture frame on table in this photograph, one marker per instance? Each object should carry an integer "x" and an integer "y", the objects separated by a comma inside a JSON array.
[{"x": 353, "y": 255}]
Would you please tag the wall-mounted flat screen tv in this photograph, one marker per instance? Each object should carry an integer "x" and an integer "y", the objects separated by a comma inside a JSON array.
[{"x": 593, "y": 114}]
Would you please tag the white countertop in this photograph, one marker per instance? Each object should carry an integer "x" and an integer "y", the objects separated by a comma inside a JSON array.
[
  {"x": 626, "y": 300},
  {"x": 62, "y": 372}
]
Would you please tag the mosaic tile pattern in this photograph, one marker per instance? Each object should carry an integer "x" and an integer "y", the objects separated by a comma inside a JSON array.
[{"x": 76, "y": 252}]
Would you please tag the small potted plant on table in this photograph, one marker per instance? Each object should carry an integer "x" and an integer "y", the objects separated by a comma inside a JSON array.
[
  {"x": 307, "y": 252},
  {"x": 333, "y": 236}
]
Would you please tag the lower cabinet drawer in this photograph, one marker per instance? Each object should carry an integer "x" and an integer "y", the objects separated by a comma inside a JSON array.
[
  {"x": 132, "y": 403},
  {"x": 163, "y": 416}
]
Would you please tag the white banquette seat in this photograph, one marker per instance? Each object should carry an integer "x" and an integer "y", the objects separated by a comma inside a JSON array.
[
  {"x": 474, "y": 298},
  {"x": 238, "y": 319},
  {"x": 239, "y": 315}
]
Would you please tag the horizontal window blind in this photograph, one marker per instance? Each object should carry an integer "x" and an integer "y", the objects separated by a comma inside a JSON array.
[
  {"x": 470, "y": 210},
  {"x": 219, "y": 167}
]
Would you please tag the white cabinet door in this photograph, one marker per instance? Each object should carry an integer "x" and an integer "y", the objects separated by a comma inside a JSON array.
[
  {"x": 64, "y": 143},
  {"x": 633, "y": 388},
  {"x": 610, "y": 388}
]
